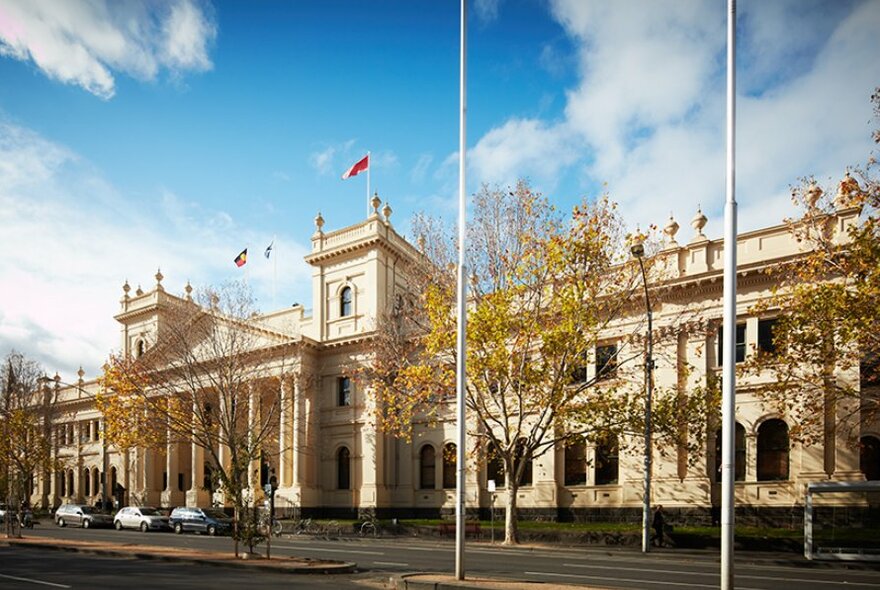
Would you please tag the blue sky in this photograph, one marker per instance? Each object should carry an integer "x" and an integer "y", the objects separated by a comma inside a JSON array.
[{"x": 137, "y": 135}]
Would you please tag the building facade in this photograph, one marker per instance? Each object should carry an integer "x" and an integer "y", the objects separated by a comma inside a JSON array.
[{"x": 331, "y": 460}]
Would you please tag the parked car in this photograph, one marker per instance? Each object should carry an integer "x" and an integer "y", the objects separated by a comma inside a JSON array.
[
  {"x": 202, "y": 520},
  {"x": 144, "y": 518},
  {"x": 80, "y": 515}
]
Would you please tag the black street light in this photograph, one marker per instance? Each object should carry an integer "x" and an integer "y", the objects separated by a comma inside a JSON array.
[{"x": 638, "y": 250}]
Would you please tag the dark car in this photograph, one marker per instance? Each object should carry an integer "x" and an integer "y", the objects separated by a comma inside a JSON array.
[{"x": 212, "y": 521}]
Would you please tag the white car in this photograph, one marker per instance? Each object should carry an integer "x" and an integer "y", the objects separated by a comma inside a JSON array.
[{"x": 144, "y": 518}]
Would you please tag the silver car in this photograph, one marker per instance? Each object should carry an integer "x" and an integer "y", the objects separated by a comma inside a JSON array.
[
  {"x": 144, "y": 518},
  {"x": 81, "y": 515}
]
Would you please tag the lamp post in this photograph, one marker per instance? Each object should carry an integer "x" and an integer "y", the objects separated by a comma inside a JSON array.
[{"x": 638, "y": 250}]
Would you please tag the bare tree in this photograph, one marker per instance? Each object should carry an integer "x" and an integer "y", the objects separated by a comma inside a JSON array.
[
  {"x": 26, "y": 411},
  {"x": 212, "y": 377}
]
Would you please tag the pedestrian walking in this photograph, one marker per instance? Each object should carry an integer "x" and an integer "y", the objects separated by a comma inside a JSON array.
[{"x": 658, "y": 525}]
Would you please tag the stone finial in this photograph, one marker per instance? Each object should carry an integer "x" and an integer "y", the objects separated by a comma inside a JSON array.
[
  {"x": 215, "y": 301},
  {"x": 139, "y": 291},
  {"x": 159, "y": 277},
  {"x": 126, "y": 288},
  {"x": 80, "y": 374},
  {"x": 671, "y": 229},
  {"x": 319, "y": 223},
  {"x": 374, "y": 203},
  {"x": 386, "y": 211},
  {"x": 813, "y": 194},
  {"x": 846, "y": 191},
  {"x": 57, "y": 378},
  {"x": 188, "y": 289},
  {"x": 421, "y": 242},
  {"x": 698, "y": 223}
]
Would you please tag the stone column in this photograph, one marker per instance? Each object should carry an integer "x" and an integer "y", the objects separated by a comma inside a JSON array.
[
  {"x": 171, "y": 496},
  {"x": 254, "y": 464},
  {"x": 298, "y": 434},
  {"x": 284, "y": 445},
  {"x": 197, "y": 495},
  {"x": 77, "y": 493}
]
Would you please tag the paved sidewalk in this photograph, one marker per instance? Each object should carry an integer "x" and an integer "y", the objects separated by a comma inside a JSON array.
[
  {"x": 448, "y": 582},
  {"x": 293, "y": 565}
]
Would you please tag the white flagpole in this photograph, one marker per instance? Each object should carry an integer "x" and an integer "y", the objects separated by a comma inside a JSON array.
[
  {"x": 369, "y": 165},
  {"x": 461, "y": 346},
  {"x": 728, "y": 378},
  {"x": 274, "y": 254}
]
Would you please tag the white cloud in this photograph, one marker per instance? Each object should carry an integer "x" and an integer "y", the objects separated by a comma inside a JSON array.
[
  {"x": 487, "y": 10},
  {"x": 522, "y": 148},
  {"x": 83, "y": 42},
  {"x": 421, "y": 168},
  {"x": 322, "y": 161},
  {"x": 71, "y": 240},
  {"x": 647, "y": 113}
]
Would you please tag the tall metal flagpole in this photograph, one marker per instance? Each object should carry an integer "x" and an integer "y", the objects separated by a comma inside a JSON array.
[
  {"x": 461, "y": 349},
  {"x": 274, "y": 273},
  {"x": 369, "y": 165},
  {"x": 728, "y": 378}
]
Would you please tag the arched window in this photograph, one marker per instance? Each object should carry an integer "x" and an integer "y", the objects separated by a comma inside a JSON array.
[
  {"x": 495, "y": 467},
  {"x": 87, "y": 481},
  {"x": 140, "y": 347},
  {"x": 526, "y": 479},
  {"x": 575, "y": 462},
  {"x": 773, "y": 451},
  {"x": 345, "y": 302},
  {"x": 113, "y": 480},
  {"x": 62, "y": 477},
  {"x": 70, "y": 489},
  {"x": 343, "y": 469},
  {"x": 96, "y": 480},
  {"x": 450, "y": 460},
  {"x": 607, "y": 461},
  {"x": 739, "y": 454},
  {"x": 869, "y": 457},
  {"x": 427, "y": 467}
]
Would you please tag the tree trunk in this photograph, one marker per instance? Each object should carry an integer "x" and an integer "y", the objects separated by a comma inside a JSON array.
[{"x": 511, "y": 534}]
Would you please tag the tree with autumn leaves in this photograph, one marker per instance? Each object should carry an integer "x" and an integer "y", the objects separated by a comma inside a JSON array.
[
  {"x": 27, "y": 408},
  {"x": 209, "y": 377},
  {"x": 822, "y": 367},
  {"x": 544, "y": 289}
]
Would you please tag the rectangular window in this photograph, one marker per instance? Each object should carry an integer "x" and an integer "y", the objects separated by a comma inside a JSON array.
[
  {"x": 606, "y": 360},
  {"x": 765, "y": 335},
  {"x": 740, "y": 344},
  {"x": 343, "y": 391}
]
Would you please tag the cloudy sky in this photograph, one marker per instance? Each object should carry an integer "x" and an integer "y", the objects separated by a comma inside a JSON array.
[{"x": 172, "y": 134}]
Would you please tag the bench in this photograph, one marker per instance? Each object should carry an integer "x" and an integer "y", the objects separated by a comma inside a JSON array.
[{"x": 470, "y": 528}]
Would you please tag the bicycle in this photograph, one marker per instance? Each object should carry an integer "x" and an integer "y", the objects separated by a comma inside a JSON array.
[
  {"x": 302, "y": 526},
  {"x": 369, "y": 526},
  {"x": 273, "y": 529}
]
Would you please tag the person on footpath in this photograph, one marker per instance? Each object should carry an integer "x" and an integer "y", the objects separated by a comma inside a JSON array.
[{"x": 658, "y": 525}]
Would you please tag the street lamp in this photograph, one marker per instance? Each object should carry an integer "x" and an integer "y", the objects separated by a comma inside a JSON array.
[{"x": 638, "y": 250}]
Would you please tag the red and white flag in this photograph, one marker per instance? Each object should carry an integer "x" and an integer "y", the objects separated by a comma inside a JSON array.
[{"x": 359, "y": 167}]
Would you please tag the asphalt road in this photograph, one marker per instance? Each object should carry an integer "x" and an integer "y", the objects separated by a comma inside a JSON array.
[
  {"x": 612, "y": 568},
  {"x": 35, "y": 569}
]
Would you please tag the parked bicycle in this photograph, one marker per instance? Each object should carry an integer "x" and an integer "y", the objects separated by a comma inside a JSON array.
[
  {"x": 274, "y": 528},
  {"x": 370, "y": 527}
]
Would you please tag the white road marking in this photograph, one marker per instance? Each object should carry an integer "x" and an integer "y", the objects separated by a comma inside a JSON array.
[
  {"x": 634, "y": 581},
  {"x": 303, "y": 548},
  {"x": 32, "y": 581},
  {"x": 716, "y": 573},
  {"x": 391, "y": 563}
]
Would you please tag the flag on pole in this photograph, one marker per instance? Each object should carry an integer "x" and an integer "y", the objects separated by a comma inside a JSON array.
[
  {"x": 241, "y": 259},
  {"x": 268, "y": 251},
  {"x": 360, "y": 166}
]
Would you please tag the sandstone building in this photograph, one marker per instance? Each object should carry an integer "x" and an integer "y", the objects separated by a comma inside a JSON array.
[{"x": 331, "y": 461}]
